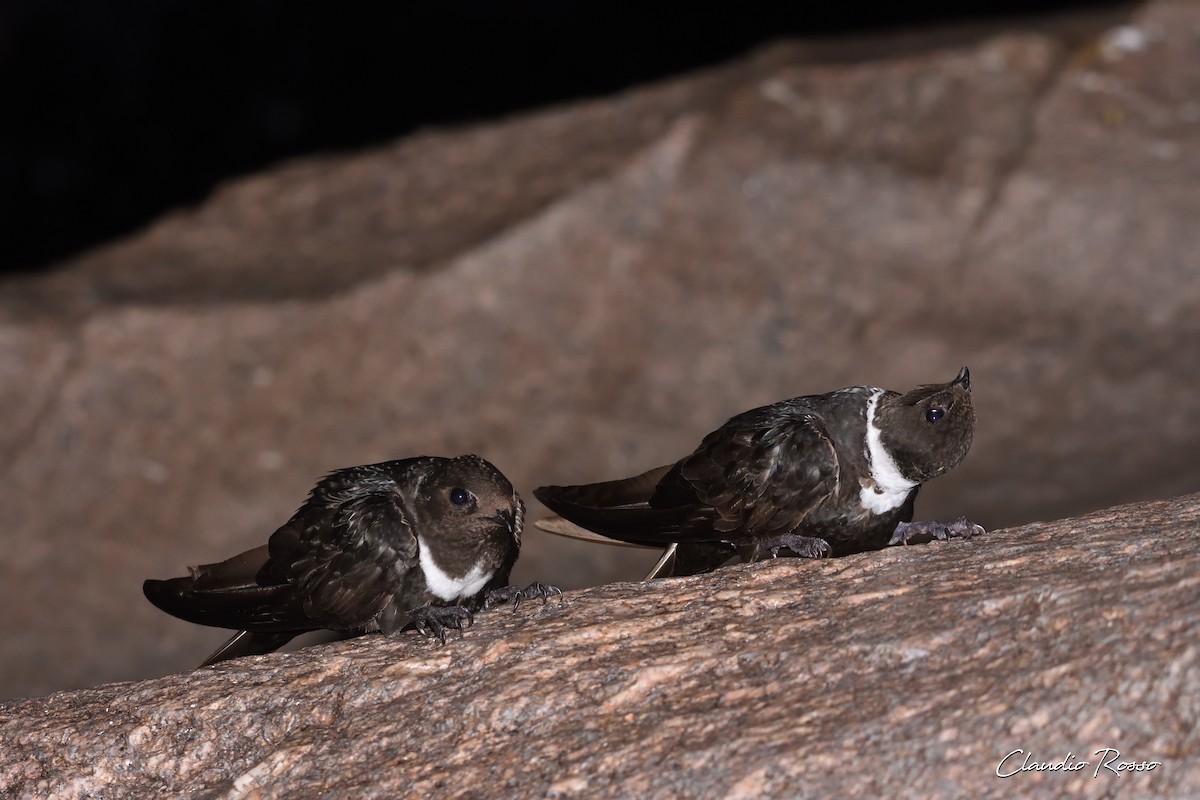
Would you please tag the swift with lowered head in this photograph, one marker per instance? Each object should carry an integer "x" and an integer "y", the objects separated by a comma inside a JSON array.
[{"x": 417, "y": 542}]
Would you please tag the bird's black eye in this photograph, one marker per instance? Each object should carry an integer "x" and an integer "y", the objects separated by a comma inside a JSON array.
[
  {"x": 934, "y": 414},
  {"x": 459, "y": 496}
]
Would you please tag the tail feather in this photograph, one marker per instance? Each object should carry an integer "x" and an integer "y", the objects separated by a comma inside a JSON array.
[
  {"x": 239, "y": 571},
  {"x": 620, "y": 509},
  {"x": 626, "y": 492},
  {"x": 692, "y": 559},
  {"x": 569, "y": 530},
  {"x": 248, "y": 643},
  {"x": 263, "y": 608},
  {"x": 226, "y": 595},
  {"x": 655, "y": 509}
]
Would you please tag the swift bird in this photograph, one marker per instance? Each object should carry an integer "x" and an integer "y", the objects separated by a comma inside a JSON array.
[
  {"x": 819, "y": 475},
  {"x": 416, "y": 542}
]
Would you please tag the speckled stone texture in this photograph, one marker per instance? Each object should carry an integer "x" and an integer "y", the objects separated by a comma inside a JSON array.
[
  {"x": 909, "y": 672},
  {"x": 583, "y": 292}
]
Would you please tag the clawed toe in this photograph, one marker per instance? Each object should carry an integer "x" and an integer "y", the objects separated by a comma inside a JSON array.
[
  {"x": 808, "y": 547},
  {"x": 497, "y": 597},
  {"x": 514, "y": 595},
  {"x": 540, "y": 591},
  {"x": 432, "y": 621},
  {"x": 802, "y": 546},
  {"x": 818, "y": 549},
  {"x": 961, "y": 528}
]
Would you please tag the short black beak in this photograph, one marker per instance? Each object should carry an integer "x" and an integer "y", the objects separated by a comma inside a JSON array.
[
  {"x": 507, "y": 519},
  {"x": 963, "y": 379}
]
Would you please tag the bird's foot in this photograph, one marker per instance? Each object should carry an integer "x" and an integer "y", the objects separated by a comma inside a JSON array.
[
  {"x": 435, "y": 620},
  {"x": 511, "y": 594},
  {"x": 801, "y": 546},
  {"x": 961, "y": 528}
]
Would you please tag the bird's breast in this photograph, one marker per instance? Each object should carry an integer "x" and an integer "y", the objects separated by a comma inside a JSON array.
[
  {"x": 448, "y": 586},
  {"x": 885, "y": 488}
]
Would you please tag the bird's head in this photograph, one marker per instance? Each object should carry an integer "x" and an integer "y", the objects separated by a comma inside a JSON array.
[
  {"x": 928, "y": 430},
  {"x": 472, "y": 501}
]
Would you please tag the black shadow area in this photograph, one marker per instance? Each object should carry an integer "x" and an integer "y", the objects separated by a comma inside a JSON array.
[{"x": 116, "y": 112}]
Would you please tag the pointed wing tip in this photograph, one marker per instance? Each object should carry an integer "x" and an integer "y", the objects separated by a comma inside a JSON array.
[
  {"x": 561, "y": 527},
  {"x": 665, "y": 566},
  {"x": 569, "y": 530},
  {"x": 223, "y": 652},
  {"x": 248, "y": 643},
  {"x": 164, "y": 594},
  {"x": 552, "y": 497}
]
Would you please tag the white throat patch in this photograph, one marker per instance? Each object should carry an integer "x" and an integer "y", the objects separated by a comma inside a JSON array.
[
  {"x": 445, "y": 586},
  {"x": 887, "y": 488}
]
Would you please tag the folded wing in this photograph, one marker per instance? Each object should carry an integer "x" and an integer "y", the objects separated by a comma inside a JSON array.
[{"x": 754, "y": 476}]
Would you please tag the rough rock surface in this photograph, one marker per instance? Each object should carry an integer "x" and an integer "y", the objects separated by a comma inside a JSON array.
[
  {"x": 910, "y": 672},
  {"x": 584, "y": 292}
]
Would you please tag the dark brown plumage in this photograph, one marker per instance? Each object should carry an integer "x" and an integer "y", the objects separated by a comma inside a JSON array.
[
  {"x": 415, "y": 542},
  {"x": 818, "y": 475}
]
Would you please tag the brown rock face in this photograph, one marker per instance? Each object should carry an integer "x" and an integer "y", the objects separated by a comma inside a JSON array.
[
  {"x": 583, "y": 293},
  {"x": 915, "y": 671}
]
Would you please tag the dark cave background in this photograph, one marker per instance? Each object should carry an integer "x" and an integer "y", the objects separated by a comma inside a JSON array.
[{"x": 114, "y": 114}]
